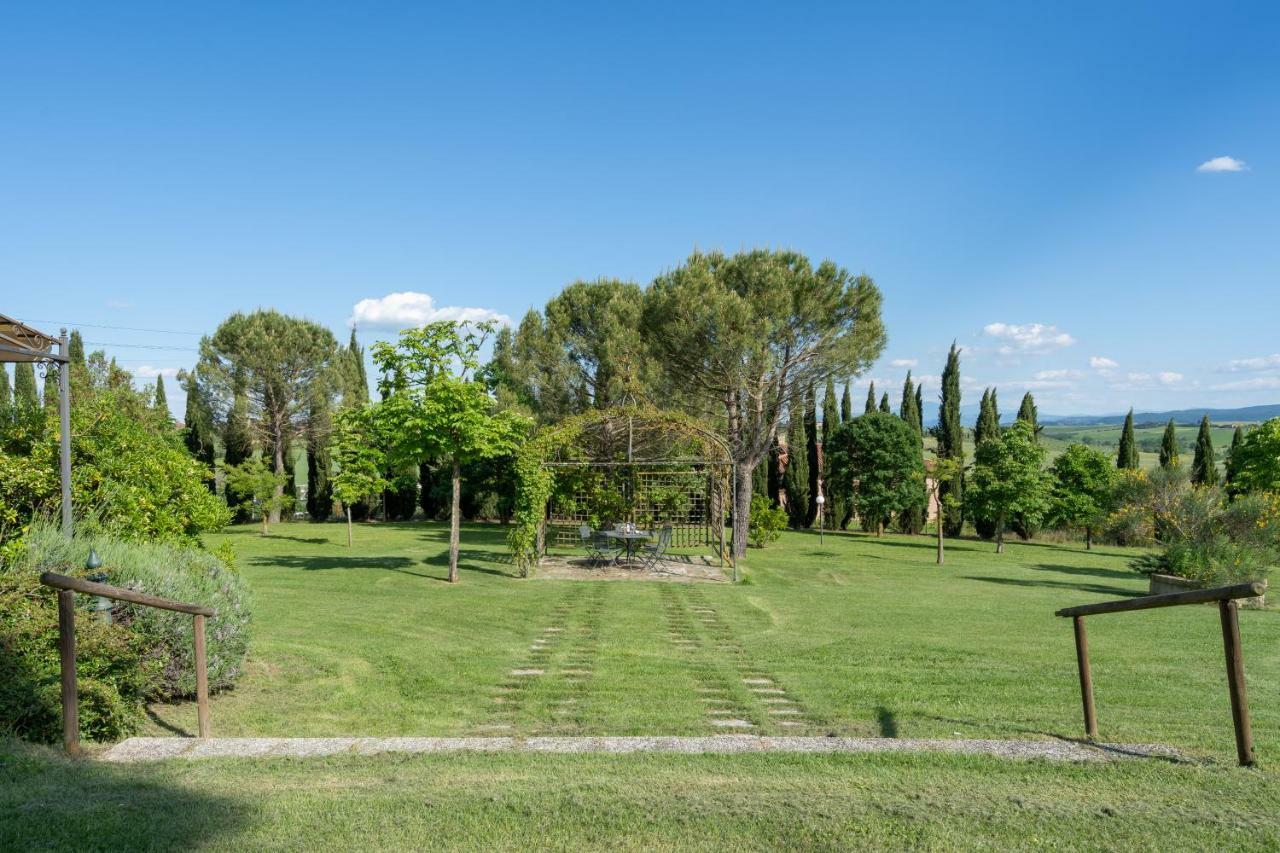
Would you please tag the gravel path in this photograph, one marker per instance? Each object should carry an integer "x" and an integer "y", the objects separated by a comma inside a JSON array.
[{"x": 155, "y": 748}]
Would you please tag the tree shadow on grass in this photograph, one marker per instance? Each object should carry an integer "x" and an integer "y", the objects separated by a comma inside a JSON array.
[
  {"x": 1078, "y": 587},
  {"x": 887, "y": 721},
  {"x": 305, "y": 540},
  {"x": 1085, "y": 570},
  {"x": 321, "y": 564},
  {"x": 165, "y": 724},
  {"x": 931, "y": 544},
  {"x": 472, "y": 561},
  {"x": 51, "y": 802}
]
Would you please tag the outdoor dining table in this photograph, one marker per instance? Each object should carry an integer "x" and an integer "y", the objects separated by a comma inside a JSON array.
[{"x": 629, "y": 538}]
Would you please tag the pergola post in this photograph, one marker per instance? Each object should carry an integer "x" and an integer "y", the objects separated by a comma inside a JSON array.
[{"x": 64, "y": 415}]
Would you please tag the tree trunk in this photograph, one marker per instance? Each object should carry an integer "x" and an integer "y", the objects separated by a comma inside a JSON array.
[
  {"x": 349, "y": 542},
  {"x": 1000, "y": 535},
  {"x": 455, "y": 522},
  {"x": 741, "y": 509},
  {"x": 264, "y": 524},
  {"x": 879, "y": 529},
  {"x": 941, "y": 555},
  {"x": 279, "y": 491},
  {"x": 1088, "y": 538}
]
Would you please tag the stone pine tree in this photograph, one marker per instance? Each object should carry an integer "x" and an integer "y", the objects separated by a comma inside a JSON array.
[
  {"x": 25, "y": 395},
  {"x": 795, "y": 477},
  {"x": 986, "y": 429},
  {"x": 161, "y": 400},
  {"x": 846, "y": 405},
  {"x": 834, "y": 507},
  {"x": 911, "y": 518},
  {"x": 1237, "y": 439},
  {"x": 950, "y": 443},
  {"x": 871, "y": 399},
  {"x": 1169, "y": 446},
  {"x": 812, "y": 455},
  {"x": 1204, "y": 468},
  {"x": 1127, "y": 455},
  {"x": 885, "y": 408}
]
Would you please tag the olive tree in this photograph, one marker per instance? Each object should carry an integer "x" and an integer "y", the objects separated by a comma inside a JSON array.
[
  {"x": 435, "y": 408},
  {"x": 739, "y": 337}
]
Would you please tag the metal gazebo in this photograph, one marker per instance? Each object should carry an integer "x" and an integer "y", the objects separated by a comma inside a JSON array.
[{"x": 21, "y": 343}]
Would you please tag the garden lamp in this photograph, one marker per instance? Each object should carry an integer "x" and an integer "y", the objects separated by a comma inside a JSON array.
[
  {"x": 101, "y": 604},
  {"x": 820, "y": 500}
]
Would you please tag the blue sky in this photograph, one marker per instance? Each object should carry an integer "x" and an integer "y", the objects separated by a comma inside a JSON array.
[{"x": 1022, "y": 178}]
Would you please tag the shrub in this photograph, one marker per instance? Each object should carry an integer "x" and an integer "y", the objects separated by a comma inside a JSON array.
[
  {"x": 766, "y": 521},
  {"x": 181, "y": 573},
  {"x": 1215, "y": 542}
]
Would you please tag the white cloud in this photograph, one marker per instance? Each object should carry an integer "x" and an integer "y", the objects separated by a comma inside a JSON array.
[
  {"x": 1257, "y": 383},
  {"x": 905, "y": 362},
  {"x": 1138, "y": 377},
  {"x": 1241, "y": 365},
  {"x": 1029, "y": 338},
  {"x": 1168, "y": 377},
  {"x": 407, "y": 309},
  {"x": 1223, "y": 164},
  {"x": 149, "y": 372},
  {"x": 1044, "y": 375},
  {"x": 1098, "y": 362}
]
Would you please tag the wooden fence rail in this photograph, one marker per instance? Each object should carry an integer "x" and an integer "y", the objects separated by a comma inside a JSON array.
[
  {"x": 67, "y": 588},
  {"x": 1225, "y": 596}
]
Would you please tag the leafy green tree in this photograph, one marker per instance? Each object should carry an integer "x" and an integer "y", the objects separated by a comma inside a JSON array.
[
  {"x": 1127, "y": 455},
  {"x": 871, "y": 399},
  {"x": 1084, "y": 482},
  {"x": 795, "y": 477},
  {"x": 25, "y": 395},
  {"x": 1204, "y": 468},
  {"x": 877, "y": 465},
  {"x": 277, "y": 361},
  {"x": 434, "y": 407},
  {"x": 741, "y": 336},
  {"x": 987, "y": 428},
  {"x": 1255, "y": 463},
  {"x": 1169, "y": 446},
  {"x": 846, "y": 405},
  {"x": 767, "y": 521},
  {"x": 1008, "y": 479},
  {"x": 262, "y": 489},
  {"x": 944, "y": 470},
  {"x": 161, "y": 401},
  {"x": 950, "y": 442},
  {"x": 912, "y": 518},
  {"x": 1237, "y": 439},
  {"x": 357, "y": 452}
]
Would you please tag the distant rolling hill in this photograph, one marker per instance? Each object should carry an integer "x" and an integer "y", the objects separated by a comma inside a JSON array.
[{"x": 1247, "y": 414}]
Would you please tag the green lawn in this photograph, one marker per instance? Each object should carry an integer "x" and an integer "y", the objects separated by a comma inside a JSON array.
[{"x": 865, "y": 636}]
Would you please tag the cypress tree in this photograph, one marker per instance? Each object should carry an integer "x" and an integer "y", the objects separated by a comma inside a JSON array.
[
  {"x": 911, "y": 520},
  {"x": 355, "y": 379},
  {"x": 1237, "y": 439},
  {"x": 950, "y": 437},
  {"x": 1127, "y": 456},
  {"x": 75, "y": 348},
  {"x": 1169, "y": 446},
  {"x": 6, "y": 395},
  {"x": 162, "y": 401},
  {"x": 1204, "y": 469},
  {"x": 871, "y": 399},
  {"x": 25, "y": 395},
  {"x": 775, "y": 471},
  {"x": 846, "y": 406},
  {"x": 51, "y": 395},
  {"x": 760, "y": 480},
  {"x": 884, "y": 404},
  {"x": 1028, "y": 414},
  {"x": 920, "y": 407},
  {"x": 834, "y": 507},
  {"x": 319, "y": 457},
  {"x": 197, "y": 432},
  {"x": 237, "y": 442},
  {"x": 986, "y": 429},
  {"x": 795, "y": 477},
  {"x": 811, "y": 454}
]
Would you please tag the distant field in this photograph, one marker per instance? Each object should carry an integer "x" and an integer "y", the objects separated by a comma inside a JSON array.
[{"x": 1106, "y": 437}]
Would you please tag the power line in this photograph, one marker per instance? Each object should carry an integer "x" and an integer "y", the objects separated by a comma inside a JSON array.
[
  {"x": 141, "y": 346},
  {"x": 71, "y": 325}
]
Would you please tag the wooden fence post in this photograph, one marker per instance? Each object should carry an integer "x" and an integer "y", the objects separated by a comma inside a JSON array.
[
  {"x": 1086, "y": 679},
  {"x": 67, "y": 652},
  {"x": 202, "y": 680},
  {"x": 1235, "y": 681}
]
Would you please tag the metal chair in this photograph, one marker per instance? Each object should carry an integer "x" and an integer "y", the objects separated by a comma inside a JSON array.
[
  {"x": 587, "y": 541},
  {"x": 606, "y": 549},
  {"x": 651, "y": 555}
]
